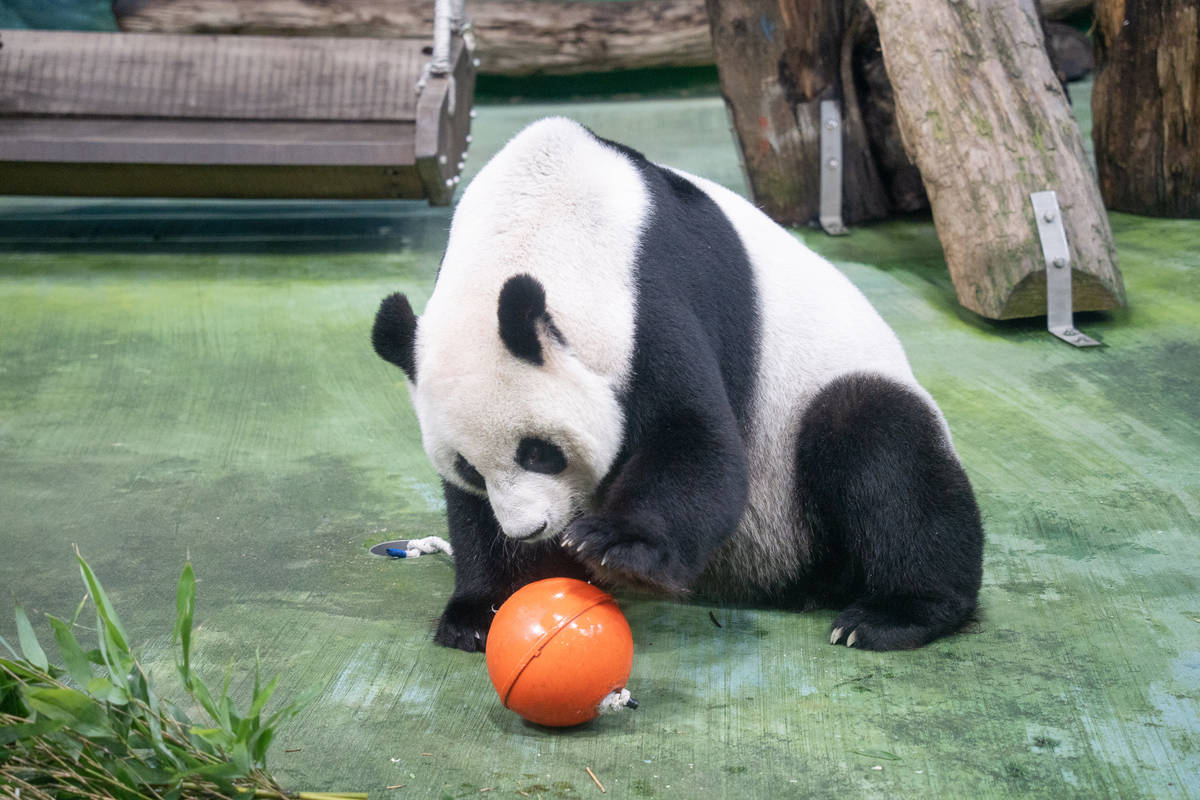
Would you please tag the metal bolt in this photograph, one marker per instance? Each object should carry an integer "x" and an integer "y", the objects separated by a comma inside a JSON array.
[
  {"x": 473, "y": 113},
  {"x": 1048, "y": 216},
  {"x": 1070, "y": 332},
  {"x": 449, "y": 183},
  {"x": 469, "y": 135},
  {"x": 442, "y": 159},
  {"x": 831, "y": 124},
  {"x": 475, "y": 63},
  {"x": 1059, "y": 262},
  {"x": 832, "y": 163}
]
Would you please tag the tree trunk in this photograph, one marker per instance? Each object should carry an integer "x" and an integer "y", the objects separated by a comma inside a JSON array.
[
  {"x": 777, "y": 62},
  {"x": 514, "y": 37},
  {"x": 986, "y": 121},
  {"x": 1146, "y": 106}
]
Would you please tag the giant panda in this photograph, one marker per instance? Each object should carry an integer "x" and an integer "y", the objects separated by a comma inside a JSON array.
[{"x": 630, "y": 375}]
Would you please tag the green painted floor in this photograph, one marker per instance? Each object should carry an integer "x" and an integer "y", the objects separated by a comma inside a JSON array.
[{"x": 196, "y": 378}]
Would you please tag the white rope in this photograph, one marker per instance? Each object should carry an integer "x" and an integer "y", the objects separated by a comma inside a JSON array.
[
  {"x": 430, "y": 544},
  {"x": 615, "y": 701}
]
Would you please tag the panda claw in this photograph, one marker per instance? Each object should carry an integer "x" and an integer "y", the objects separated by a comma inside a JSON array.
[
  {"x": 835, "y": 636},
  {"x": 851, "y": 639}
]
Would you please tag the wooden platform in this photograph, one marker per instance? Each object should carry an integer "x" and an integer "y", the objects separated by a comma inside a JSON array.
[{"x": 123, "y": 114}]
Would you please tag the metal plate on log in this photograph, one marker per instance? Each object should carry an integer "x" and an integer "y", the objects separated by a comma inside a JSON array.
[
  {"x": 831, "y": 169},
  {"x": 1060, "y": 319}
]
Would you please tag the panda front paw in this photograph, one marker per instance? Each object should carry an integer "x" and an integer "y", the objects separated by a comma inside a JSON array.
[
  {"x": 464, "y": 624},
  {"x": 626, "y": 551}
]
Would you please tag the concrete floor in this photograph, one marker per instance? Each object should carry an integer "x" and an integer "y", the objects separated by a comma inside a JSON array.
[{"x": 196, "y": 379}]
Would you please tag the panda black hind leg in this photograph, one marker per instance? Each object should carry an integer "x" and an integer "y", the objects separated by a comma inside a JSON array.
[{"x": 896, "y": 529}]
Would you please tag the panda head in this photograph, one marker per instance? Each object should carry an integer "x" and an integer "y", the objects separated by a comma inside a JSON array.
[{"x": 506, "y": 408}]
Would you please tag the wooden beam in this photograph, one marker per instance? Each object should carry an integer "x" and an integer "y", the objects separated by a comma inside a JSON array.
[
  {"x": 134, "y": 114},
  {"x": 986, "y": 121},
  {"x": 190, "y": 141},
  {"x": 229, "y": 77},
  {"x": 273, "y": 181}
]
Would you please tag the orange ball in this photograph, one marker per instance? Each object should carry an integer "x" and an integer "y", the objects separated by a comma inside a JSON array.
[{"x": 556, "y": 648}]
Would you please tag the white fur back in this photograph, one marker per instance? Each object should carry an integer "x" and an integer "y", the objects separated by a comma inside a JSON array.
[{"x": 816, "y": 325}]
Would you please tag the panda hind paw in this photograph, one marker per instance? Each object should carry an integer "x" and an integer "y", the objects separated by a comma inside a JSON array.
[{"x": 898, "y": 623}]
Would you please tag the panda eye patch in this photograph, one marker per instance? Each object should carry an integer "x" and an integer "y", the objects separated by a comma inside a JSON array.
[
  {"x": 468, "y": 473},
  {"x": 538, "y": 455}
]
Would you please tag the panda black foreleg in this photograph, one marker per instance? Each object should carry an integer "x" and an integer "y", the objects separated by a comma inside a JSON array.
[
  {"x": 896, "y": 529},
  {"x": 672, "y": 503},
  {"x": 488, "y": 567}
]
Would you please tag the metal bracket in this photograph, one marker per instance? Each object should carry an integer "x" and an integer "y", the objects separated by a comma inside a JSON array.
[
  {"x": 831, "y": 169},
  {"x": 1060, "y": 318}
]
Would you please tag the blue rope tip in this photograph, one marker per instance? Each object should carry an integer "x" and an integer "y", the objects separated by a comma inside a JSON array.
[{"x": 396, "y": 552}]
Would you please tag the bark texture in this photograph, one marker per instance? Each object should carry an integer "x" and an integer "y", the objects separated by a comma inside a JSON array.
[
  {"x": 985, "y": 119},
  {"x": 777, "y": 62},
  {"x": 517, "y": 37},
  {"x": 514, "y": 37},
  {"x": 1146, "y": 106}
]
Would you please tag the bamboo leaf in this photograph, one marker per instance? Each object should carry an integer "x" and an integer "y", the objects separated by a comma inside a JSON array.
[
  {"x": 296, "y": 706},
  {"x": 104, "y": 608},
  {"x": 28, "y": 730},
  {"x": 28, "y": 640},
  {"x": 83, "y": 713},
  {"x": 260, "y": 744},
  {"x": 222, "y": 770},
  {"x": 261, "y": 698},
  {"x": 241, "y": 756},
  {"x": 199, "y": 691},
  {"x": 79, "y": 608},
  {"x": 72, "y": 654},
  {"x": 24, "y": 671},
  {"x": 883, "y": 755},
  {"x": 185, "y": 611},
  {"x": 103, "y": 689}
]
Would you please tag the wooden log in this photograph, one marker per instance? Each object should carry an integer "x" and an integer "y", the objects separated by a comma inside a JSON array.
[
  {"x": 777, "y": 62},
  {"x": 986, "y": 121},
  {"x": 1061, "y": 9},
  {"x": 522, "y": 37},
  {"x": 517, "y": 37},
  {"x": 1146, "y": 106}
]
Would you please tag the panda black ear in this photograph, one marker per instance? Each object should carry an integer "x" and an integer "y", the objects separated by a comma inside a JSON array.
[
  {"x": 394, "y": 334},
  {"x": 521, "y": 310}
]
